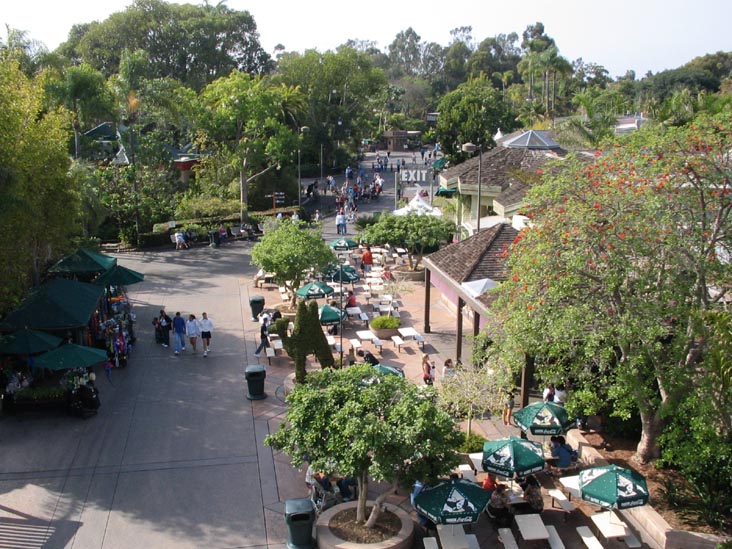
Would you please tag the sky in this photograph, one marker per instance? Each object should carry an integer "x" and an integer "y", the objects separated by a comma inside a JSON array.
[{"x": 621, "y": 35}]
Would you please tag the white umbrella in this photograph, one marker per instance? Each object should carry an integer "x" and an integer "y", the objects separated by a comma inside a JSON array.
[{"x": 479, "y": 287}]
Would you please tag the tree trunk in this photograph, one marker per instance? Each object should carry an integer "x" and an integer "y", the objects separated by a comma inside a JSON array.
[
  {"x": 243, "y": 195},
  {"x": 378, "y": 508},
  {"x": 648, "y": 448},
  {"x": 363, "y": 495}
]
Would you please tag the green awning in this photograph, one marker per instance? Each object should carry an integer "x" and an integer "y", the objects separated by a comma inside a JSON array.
[
  {"x": 119, "y": 276},
  {"x": 59, "y": 304},
  {"x": 442, "y": 191},
  {"x": 84, "y": 261}
]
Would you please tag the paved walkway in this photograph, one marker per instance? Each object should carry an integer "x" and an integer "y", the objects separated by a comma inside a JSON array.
[{"x": 175, "y": 457}]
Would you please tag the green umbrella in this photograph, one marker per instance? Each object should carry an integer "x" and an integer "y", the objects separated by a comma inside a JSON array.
[
  {"x": 512, "y": 455},
  {"x": 613, "y": 486},
  {"x": 543, "y": 418},
  {"x": 343, "y": 244},
  {"x": 334, "y": 268},
  {"x": 345, "y": 276},
  {"x": 71, "y": 356},
  {"x": 314, "y": 290},
  {"x": 27, "y": 342},
  {"x": 330, "y": 315},
  {"x": 389, "y": 370},
  {"x": 119, "y": 276},
  {"x": 455, "y": 501}
]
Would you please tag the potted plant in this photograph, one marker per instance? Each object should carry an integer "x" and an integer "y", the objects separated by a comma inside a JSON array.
[{"x": 385, "y": 326}]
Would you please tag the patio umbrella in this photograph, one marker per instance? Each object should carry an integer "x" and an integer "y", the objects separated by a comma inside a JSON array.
[
  {"x": 343, "y": 244},
  {"x": 512, "y": 455},
  {"x": 119, "y": 276},
  {"x": 335, "y": 268},
  {"x": 71, "y": 356},
  {"x": 613, "y": 486},
  {"x": 456, "y": 501},
  {"x": 346, "y": 277},
  {"x": 543, "y": 418},
  {"x": 27, "y": 342},
  {"x": 389, "y": 370},
  {"x": 329, "y": 316},
  {"x": 314, "y": 290}
]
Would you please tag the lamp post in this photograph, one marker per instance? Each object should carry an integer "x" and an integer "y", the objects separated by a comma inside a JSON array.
[
  {"x": 340, "y": 315},
  {"x": 471, "y": 148},
  {"x": 302, "y": 130}
]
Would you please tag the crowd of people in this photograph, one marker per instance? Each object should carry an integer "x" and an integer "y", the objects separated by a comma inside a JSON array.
[{"x": 181, "y": 328}]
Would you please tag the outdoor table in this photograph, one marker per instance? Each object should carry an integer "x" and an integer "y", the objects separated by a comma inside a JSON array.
[
  {"x": 365, "y": 335},
  {"x": 386, "y": 298},
  {"x": 385, "y": 309},
  {"x": 571, "y": 486},
  {"x": 610, "y": 525},
  {"x": 331, "y": 340},
  {"x": 531, "y": 527},
  {"x": 377, "y": 287},
  {"x": 452, "y": 536},
  {"x": 353, "y": 311},
  {"x": 408, "y": 332}
]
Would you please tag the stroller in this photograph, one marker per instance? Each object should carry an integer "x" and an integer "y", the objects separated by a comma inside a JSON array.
[{"x": 84, "y": 401}]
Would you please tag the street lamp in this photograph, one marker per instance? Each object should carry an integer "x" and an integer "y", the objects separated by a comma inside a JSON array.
[
  {"x": 471, "y": 148},
  {"x": 303, "y": 129}
]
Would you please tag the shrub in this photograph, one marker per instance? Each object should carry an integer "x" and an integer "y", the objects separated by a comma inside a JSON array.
[
  {"x": 472, "y": 442},
  {"x": 386, "y": 323}
]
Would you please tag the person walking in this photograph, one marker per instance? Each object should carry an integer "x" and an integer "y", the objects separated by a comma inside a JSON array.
[
  {"x": 427, "y": 373},
  {"x": 166, "y": 324},
  {"x": 206, "y": 326},
  {"x": 179, "y": 331},
  {"x": 264, "y": 336},
  {"x": 339, "y": 221},
  {"x": 193, "y": 331},
  {"x": 509, "y": 403}
]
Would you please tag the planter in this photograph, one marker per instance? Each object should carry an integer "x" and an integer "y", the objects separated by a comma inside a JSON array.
[
  {"x": 409, "y": 276},
  {"x": 328, "y": 540},
  {"x": 384, "y": 333}
]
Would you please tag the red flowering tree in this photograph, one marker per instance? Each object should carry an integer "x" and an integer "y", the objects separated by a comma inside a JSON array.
[{"x": 625, "y": 251}]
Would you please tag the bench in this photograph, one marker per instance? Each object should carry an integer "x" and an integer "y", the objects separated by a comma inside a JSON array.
[
  {"x": 631, "y": 541},
  {"x": 355, "y": 343},
  {"x": 430, "y": 543},
  {"x": 472, "y": 541},
  {"x": 395, "y": 314},
  {"x": 378, "y": 344},
  {"x": 420, "y": 340},
  {"x": 398, "y": 342},
  {"x": 589, "y": 539},
  {"x": 555, "y": 542},
  {"x": 505, "y": 536},
  {"x": 559, "y": 498},
  {"x": 364, "y": 317},
  {"x": 270, "y": 352}
]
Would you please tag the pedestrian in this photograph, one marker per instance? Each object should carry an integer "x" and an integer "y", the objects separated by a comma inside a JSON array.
[
  {"x": 448, "y": 369},
  {"x": 339, "y": 221},
  {"x": 427, "y": 373},
  {"x": 368, "y": 357},
  {"x": 166, "y": 324},
  {"x": 548, "y": 394},
  {"x": 193, "y": 331},
  {"x": 206, "y": 328},
  {"x": 560, "y": 394},
  {"x": 316, "y": 216},
  {"x": 367, "y": 260},
  {"x": 179, "y": 331},
  {"x": 264, "y": 335},
  {"x": 509, "y": 402}
]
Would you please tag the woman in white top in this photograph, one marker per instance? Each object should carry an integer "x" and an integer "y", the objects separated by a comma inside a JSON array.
[
  {"x": 206, "y": 327},
  {"x": 193, "y": 331},
  {"x": 560, "y": 395}
]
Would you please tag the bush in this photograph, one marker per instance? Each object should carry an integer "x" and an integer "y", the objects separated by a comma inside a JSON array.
[
  {"x": 386, "y": 323},
  {"x": 472, "y": 442},
  {"x": 364, "y": 221}
]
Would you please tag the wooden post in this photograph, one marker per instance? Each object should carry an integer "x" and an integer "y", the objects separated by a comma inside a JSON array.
[
  {"x": 459, "y": 335},
  {"x": 427, "y": 277}
]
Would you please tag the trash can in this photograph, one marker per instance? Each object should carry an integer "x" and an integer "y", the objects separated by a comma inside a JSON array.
[
  {"x": 214, "y": 239},
  {"x": 255, "y": 375},
  {"x": 256, "y": 304},
  {"x": 300, "y": 517}
]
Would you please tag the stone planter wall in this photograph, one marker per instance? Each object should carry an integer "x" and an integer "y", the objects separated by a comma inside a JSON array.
[
  {"x": 408, "y": 276},
  {"x": 385, "y": 333},
  {"x": 327, "y": 540}
]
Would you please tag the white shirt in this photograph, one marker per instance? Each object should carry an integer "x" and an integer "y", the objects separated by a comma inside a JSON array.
[
  {"x": 192, "y": 328},
  {"x": 560, "y": 397},
  {"x": 206, "y": 325}
]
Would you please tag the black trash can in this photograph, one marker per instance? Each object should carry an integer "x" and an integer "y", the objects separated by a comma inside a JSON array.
[
  {"x": 300, "y": 517},
  {"x": 255, "y": 375},
  {"x": 256, "y": 304},
  {"x": 214, "y": 239}
]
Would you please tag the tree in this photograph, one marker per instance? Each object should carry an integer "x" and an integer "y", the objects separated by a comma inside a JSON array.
[
  {"x": 289, "y": 252},
  {"x": 405, "y": 53},
  {"x": 364, "y": 424},
  {"x": 415, "y": 233},
  {"x": 472, "y": 113},
  {"x": 624, "y": 254}
]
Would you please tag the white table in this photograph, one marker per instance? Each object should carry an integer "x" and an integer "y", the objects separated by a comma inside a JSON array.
[
  {"x": 385, "y": 309},
  {"x": 610, "y": 525},
  {"x": 385, "y": 299},
  {"x": 366, "y": 335},
  {"x": 353, "y": 311},
  {"x": 408, "y": 332},
  {"x": 531, "y": 527},
  {"x": 452, "y": 536},
  {"x": 571, "y": 486}
]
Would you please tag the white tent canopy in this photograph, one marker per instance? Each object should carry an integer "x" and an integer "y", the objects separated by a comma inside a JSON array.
[
  {"x": 418, "y": 206},
  {"x": 479, "y": 287}
]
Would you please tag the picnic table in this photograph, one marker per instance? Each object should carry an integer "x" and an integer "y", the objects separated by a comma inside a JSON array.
[
  {"x": 408, "y": 332},
  {"x": 452, "y": 536},
  {"x": 353, "y": 311},
  {"x": 531, "y": 527},
  {"x": 366, "y": 335},
  {"x": 610, "y": 525},
  {"x": 571, "y": 486}
]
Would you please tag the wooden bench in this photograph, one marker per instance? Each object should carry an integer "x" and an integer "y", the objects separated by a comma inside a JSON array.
[
  {"x": 505, "y": 536},
  {"x": 378, "y": 344},
  {"x": 430, "y": 543},
  {"x": 555, "y": 542},
  {"x": 589, "y": 539},
  {"x": 355, "y": 344},
  {"x": 559, "y": 498},
  {"x": 398, "y": 342}
]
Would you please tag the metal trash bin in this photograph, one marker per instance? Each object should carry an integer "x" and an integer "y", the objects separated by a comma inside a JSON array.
[
  {"x": 214, "y": 239},
  {"x": 300, "y": 517},
  {"x": 256, "y": 304},
  {"x": 255, "y": 375}
]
